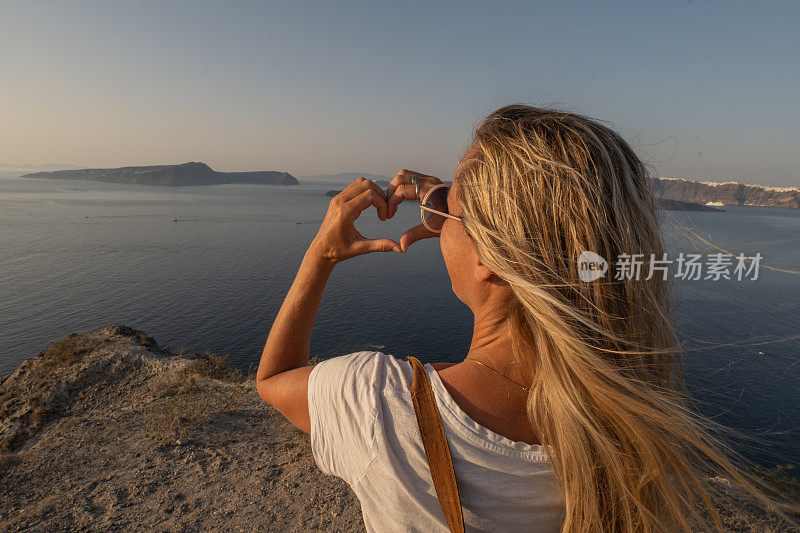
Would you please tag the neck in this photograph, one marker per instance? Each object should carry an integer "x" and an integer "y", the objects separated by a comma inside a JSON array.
[{"x": 491, "y": 341}]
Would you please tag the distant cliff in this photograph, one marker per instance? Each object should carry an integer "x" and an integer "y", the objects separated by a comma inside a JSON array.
[
  {"x": 169, "y": 175},
  {"x": 729, "y": 193}
]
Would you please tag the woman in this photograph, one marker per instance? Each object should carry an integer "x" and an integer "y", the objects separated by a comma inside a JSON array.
[{"x": 568, "y": 411}]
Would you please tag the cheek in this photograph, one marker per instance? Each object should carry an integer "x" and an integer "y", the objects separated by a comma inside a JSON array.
[
  {"x": 445, "y": 245},
  {"x": 453, "y": 259}
]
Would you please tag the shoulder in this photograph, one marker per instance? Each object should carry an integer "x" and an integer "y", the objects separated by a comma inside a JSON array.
[
  {"x": 367, "y": 369},
  {"x": 370, "y": 369}
]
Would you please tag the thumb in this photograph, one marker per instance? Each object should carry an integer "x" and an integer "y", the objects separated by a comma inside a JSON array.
[
  {"x": 415, "y": 234},
  {"x": 366, "y": 246}
]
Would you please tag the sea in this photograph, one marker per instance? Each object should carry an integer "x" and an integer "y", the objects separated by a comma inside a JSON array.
[{"x": 206, "y": 269}]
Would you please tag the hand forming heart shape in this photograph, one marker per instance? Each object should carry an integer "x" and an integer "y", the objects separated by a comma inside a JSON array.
[{"x": 338, "y": 239}]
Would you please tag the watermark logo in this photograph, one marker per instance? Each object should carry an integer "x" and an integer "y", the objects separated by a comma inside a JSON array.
[
  {"x": 591, "y": 266},
  {"x": 714, "y": 267}
]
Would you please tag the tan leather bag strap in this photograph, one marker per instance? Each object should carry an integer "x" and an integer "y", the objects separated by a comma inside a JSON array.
[{"x": 436, "y": 450}]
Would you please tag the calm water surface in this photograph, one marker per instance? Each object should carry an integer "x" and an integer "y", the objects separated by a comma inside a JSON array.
[{"x": 206, "y": 268}]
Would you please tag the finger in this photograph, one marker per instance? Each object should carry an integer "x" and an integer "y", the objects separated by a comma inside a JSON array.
[
  {"x": 367, "y": 184},
  {"x": 402, "y": 181},
  {"x": 356, "y": 187},
  {"x": 364, "y": 200},
  {"x": 402, "y": 177},
  {"x": 415, "y": 234},
  {"x": 374, "y": 186},
  {"x": 350, "y": 191},
  {"x": 405, "y": 191},
  {"x": 366, "y": 246},
  {"x": 406, "y": 175}
]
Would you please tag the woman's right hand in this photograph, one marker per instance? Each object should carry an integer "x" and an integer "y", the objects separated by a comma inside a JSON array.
[{"x": 401, "y": 189}]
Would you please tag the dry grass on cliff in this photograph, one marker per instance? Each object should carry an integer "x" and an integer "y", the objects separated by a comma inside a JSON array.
[
  {"x": 108, "y": 432},
  {"x": 186, "y": 400}
]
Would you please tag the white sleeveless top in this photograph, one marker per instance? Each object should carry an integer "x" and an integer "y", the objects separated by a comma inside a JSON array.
[{"x": 363, "y": 430}]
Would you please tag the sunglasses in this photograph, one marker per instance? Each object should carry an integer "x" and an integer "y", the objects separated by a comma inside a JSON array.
[{"x": 433, "y": 208}]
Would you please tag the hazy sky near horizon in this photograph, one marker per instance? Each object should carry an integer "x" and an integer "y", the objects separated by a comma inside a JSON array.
[{"x": 701, "y": 89}]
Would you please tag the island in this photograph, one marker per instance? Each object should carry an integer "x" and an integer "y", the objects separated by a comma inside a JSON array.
[{"x": 186, "y": 174}]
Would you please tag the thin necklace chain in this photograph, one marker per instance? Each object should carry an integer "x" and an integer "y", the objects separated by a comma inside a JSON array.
[{"x": 498, "y": 373}]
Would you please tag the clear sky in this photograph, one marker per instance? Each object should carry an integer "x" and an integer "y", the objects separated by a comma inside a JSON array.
[{"x": 701, "y": 89}]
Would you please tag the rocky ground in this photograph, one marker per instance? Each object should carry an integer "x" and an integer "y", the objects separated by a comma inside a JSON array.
[{"x": 108, "y": 431}]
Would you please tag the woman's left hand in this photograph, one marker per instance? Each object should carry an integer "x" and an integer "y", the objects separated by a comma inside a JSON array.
[{"x": 337, "y": 238}]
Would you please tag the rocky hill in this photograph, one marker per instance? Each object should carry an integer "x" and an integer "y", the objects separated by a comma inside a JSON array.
[
  {"x": 108, "y": 431},
  {"x": 729, "y": 193},
  {"x": 186, "y": 174}
]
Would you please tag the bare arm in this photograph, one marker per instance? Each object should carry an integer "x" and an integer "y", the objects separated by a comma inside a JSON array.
[
  {"x": 282, "y": 377},
  {"x": 288, "y": 341}
]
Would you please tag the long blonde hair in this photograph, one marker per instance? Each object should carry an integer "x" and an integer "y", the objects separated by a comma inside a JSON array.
[{"x": 607, "y": 395}]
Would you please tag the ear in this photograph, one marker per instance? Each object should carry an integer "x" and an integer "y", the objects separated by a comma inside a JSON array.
[{"x": 482, "y": 272}]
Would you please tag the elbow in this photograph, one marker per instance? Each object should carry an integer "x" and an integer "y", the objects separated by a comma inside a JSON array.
[{"x": 262, "y": 386}]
